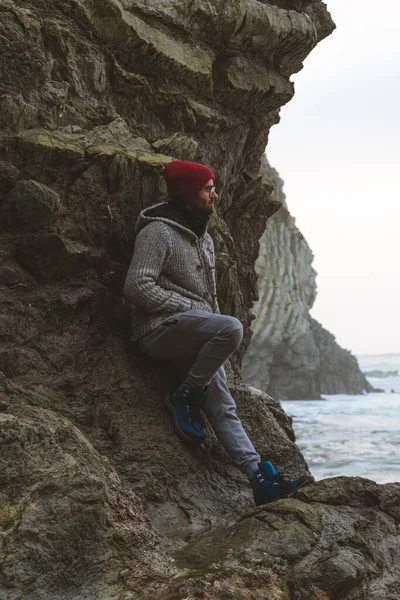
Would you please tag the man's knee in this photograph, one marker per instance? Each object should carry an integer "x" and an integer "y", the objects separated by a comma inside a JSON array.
[{"x": 234, "y": 329}]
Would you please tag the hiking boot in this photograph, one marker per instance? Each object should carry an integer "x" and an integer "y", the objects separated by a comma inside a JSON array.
[
  {"x": 184, "y": 405},
  {"x": 268, "y": 485}
]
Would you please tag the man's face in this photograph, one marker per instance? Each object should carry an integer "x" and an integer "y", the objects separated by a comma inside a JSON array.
[{"x": 204, "y": 201}]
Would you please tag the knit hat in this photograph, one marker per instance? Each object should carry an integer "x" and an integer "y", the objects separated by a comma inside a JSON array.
[{"x": 185, "y": 179}]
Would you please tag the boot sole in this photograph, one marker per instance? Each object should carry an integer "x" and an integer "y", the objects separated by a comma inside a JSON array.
[{"x": 178, "y": 430}]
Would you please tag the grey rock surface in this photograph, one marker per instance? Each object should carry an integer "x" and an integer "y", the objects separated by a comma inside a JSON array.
[
  {"x": 30, "y": 205},
  {"x": 66, "y": 517},
  {"x": 98, "y": 498},
  {"x": 329, "y": 542},
  {"x": 291, "y": 356}
]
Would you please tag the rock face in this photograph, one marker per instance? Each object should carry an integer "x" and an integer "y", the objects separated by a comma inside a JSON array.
[
  {"x": 98, "y": 497},
  {"x": 324, "y": 544},
  {"x": 291, "y": 356}
]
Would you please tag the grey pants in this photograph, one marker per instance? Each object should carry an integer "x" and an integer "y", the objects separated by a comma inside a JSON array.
[{"x": 198, "y": 343}]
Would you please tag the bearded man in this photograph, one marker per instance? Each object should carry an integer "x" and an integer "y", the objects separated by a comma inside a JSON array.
[{"x": 172, "y": 286}]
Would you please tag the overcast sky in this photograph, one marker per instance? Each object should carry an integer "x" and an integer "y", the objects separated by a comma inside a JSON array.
[{"x": 337, "y": 149}]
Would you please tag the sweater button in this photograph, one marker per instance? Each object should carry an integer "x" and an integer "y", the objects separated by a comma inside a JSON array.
[{"x": 199, "y": 267}]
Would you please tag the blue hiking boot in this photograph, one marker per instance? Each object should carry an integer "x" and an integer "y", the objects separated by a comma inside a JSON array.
[
  {"x": 268, "y": 485},
  {"x": 184, "y": 405}
]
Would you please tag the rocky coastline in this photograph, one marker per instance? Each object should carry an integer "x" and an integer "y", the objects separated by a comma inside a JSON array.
[
  {"x": 291, "y": 356},
  {"x": 98, "y": 498}
]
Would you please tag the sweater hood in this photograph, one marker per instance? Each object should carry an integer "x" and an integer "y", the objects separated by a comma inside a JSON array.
[{"x": 162, "y": 212}]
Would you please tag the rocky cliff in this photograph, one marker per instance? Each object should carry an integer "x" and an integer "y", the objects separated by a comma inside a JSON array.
[
  {"x": 291, "y": 356},
  {"x": 98, "y": 497}
]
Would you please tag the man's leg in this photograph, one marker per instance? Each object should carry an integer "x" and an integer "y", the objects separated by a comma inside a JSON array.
[
  {"x": 199, "y": 343},
  {"x": 210, "y": 337},
  {"x": 220, "y": 410}
]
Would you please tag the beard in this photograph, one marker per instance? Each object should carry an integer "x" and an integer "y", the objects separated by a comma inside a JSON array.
[{"x": 201, "y": 207}]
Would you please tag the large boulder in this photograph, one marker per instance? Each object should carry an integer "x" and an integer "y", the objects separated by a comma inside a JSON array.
[{"x": 30, "y": 205}]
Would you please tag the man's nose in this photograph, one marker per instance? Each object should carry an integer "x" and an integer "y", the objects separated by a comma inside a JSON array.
[{"x": 214, "y": 195}]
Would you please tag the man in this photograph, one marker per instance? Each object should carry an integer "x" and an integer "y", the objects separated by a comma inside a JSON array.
[{"x": 171, "y": 283}]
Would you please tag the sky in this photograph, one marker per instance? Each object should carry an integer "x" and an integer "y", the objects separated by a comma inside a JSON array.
[{"x": 337, "y": 150}]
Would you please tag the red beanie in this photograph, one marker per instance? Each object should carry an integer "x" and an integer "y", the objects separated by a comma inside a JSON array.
[{"x": 185, "y": 179}]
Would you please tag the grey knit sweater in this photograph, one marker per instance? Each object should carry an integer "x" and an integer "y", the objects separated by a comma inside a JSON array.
[{"x": 172, "y": 271}]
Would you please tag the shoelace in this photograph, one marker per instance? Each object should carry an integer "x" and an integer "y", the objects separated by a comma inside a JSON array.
[
  {"x": 278, "y": 478},
  {"x": 194, "y": 417}
]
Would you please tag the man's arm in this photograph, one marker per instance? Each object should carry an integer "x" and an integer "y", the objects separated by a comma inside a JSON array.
[{"x": 151, "y": 247}]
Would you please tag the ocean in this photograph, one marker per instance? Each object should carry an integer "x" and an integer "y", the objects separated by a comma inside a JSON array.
[{"x": 353, "y": 435}]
